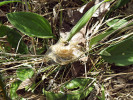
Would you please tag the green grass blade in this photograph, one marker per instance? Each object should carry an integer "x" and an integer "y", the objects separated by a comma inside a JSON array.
[
  {"x": 87, "y": 16},
  {"x": 6, "y": 2},
  {"x": 123, "y": 23}
]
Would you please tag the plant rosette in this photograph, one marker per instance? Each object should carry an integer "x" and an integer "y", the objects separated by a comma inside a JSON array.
[{"x": 76, "y": 89}]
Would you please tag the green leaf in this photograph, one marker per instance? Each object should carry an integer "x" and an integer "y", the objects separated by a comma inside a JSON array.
[
  {"x": 31, "y": 24},
  {"x": 119, "y": 22},
  {"x": 87, "y": 16},
  {"x": 54, "y": 96},
  {"x": 120, "y": 3},
  {"x": 76, "y": 87},
  {"x": 10, "y": 1},
  {"x": 103, "y": 92},
  {"x": 76, "y": 90},
  {"x": 13, "y": 88},
  {"x": 24, "y": 73},
  {"x": 121, "y": 53},
  {"x": 114, "y": 28},
  {"x": 13, "y": 39}
]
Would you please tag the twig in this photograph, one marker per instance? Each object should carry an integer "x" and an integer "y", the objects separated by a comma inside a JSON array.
[
  {"x": 33, "y": 62},
  {"x": 20, "y": 55},
  {"x": 113, "y": 75}
]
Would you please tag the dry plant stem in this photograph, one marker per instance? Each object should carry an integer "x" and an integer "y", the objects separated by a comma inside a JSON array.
[
  {"x": 14, "y": 62},
  {"x": 19, "y": 55},
  {"x": 22, "y": 61},
  {"x": 56, "y": 15},
  {"x": 63, "y": 75},
  {"x": 13, "y": 67},
  {"x": 33, "y": 44},
  {"x": 115, "y": 40},
  {"x": 46, "y": 68},
  {"x": 60, "y": 10},
  {"x": 10, "y": 8},
  {"x": 93, "y": 64},
  {"x": 124, "y": 30},
  {"x": 40, "y": 68},
  {"x": 113, "y": 75},
  {"x": 32, "y": 62},
  {"x": 26, "y": 5},
  {"x": 61, "y": 14},
  {"x": 93, "y": 73},
  {"x": 23, "y": 6},
  {"x": 85, "y": 70},
  {"x": 2, "y": 13},
  {"x": 51, "y": 83},
  {"x": 93, "y": 80},
  {"x": 57, "y": 73},
  {"x": 19, "y": 43},
  {"x": 67, "y": 74},
  {"x": 98, "y": 25}
]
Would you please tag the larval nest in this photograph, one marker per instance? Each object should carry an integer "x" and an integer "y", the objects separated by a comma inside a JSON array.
[{"x": 63, "y": 53}]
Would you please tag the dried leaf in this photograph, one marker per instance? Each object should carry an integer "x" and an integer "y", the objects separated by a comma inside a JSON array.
[
  {"x": 101, "y": 10},
  {"x": 2, "y": 13},
  {"x": 21, "y": 91}
]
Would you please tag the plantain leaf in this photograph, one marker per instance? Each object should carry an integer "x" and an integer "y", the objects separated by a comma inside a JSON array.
[
  {"x": 31, "y": 24},
  {"x": 121, "y": 53},
  {"x": 13, "y": 88},
  {"x": 23, "y": 74},
  {"x": 9, "y": 1},
  {"x": 13, "y": 39},
  {"x": 76, "y": 90}
]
